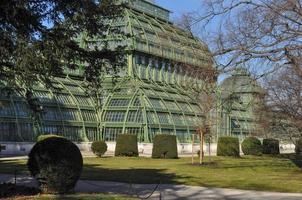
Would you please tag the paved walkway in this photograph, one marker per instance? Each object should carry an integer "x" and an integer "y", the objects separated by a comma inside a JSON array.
[{"x": 166, "y": 191}]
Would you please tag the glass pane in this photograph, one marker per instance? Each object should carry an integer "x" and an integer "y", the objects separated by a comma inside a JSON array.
[
  {"x": 51, "y": 114},
  {"x": 119, "y": 102},
  {"x": 6, "y": 109},
  {"x": 110, "y": 134},
  {"x": 164, "y": 118},
  {"x": 89, "y": 115},
  {"x": 115, "y": 116}
]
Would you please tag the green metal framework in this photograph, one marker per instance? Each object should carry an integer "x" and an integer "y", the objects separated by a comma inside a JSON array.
[
  {"x": 67, "y": 111},
  {"x": 240, "y": 99},
  {"x": 146, "y": 109},
  {"x": 149, "y": 98}
]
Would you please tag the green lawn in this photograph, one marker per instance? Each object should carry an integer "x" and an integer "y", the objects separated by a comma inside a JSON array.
[{"x": 254, "y": 173}]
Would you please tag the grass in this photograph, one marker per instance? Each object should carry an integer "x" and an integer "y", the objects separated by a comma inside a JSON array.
[
  {"x": 74, "y": 197},
  {"x": 281, "y": 173}
]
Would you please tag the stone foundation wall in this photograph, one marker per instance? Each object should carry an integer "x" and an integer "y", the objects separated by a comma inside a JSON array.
[{"x": 145, "y": 149}]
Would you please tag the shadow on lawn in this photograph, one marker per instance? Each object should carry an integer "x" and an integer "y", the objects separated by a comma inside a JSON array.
[
  {"x": 130, "y": 175},
  {"x": 12, "y": 167},
  {"x": 296, "y": 159}
]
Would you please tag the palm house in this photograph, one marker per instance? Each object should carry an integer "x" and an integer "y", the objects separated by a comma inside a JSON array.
[{"x": 149, "y": 98}]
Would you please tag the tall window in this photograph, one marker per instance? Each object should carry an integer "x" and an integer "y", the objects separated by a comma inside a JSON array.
[
  {"x": 164, "y": 118},
  {"x": 51, "y": 114},
  {"x": 115, "y": 116},
  {"x": 89, "y": 115},
  {"x": 135, "y": 116},
  {"x": 151, "y": 118},
  {"x": 110, "y": 134},
  {"x": 157, "y": 103},
  {"x": 178, "y": 119}
]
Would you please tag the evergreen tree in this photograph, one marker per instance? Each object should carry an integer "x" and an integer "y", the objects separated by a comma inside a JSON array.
[{"x": 39, "y": 38}]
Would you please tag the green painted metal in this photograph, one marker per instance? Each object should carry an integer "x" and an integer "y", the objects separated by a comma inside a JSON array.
[
  {"x": 63, "y": 113},
  {"x": 150, "y": 97}
]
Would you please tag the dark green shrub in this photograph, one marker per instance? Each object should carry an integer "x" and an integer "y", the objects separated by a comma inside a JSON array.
[
  {"x": 298, "y": 146},
  {"x": 99, "y": 148},
  {"x": 228, "y": 146},
  {"x": 43, "y": 137},
  {"x": 164, "y": 146},
  {"x": 56, "y": 163},
  {"x": 126, "y": 145},
  {"x": 271, "y": 146},
  {"x": 251, "y": 146}
]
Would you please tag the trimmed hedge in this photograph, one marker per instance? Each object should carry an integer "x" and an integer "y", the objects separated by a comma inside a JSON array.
[
  {"x": 126, "y": 145},
  {"x": 99, "y": 148},
  {"x": 56, "y": 163},
  {"x": 298, "y": 146},
  {"x": 164, "y": 146},
  {"x": 271, "y": 146},
  {"x": 251, "y": 146},
  {"x": 43, "y": 137},
  {"x": 228, "y": 146}
]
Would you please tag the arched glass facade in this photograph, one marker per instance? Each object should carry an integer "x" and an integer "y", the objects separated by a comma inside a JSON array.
[
  {"x": 146, "y": 110},
  {"x": 66, "y": 111},
  {"x": 151, "y": 96}
]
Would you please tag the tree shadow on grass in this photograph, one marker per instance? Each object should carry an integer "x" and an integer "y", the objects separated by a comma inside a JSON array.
[
  {"x": 296, "y": 159},
  {"x": 8, "y": 190},
  {"x": 130, "y": 175},
  {"x": 12, "y": 167}
]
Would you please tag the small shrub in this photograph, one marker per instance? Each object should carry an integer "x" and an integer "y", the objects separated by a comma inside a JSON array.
[
  {"x": 228, "y": 146},
  {"x": 251, "y": 146},
  {"x": 43, "y": 137},
  {"x": 126, "y": 145},
  {"x": 298, "y": 146},
  {"x": 164, "y": 146},
  {"x": 271, "y": 146},
  {"x": 56, "y": 163},
  {"x": 99, "y": 148}
]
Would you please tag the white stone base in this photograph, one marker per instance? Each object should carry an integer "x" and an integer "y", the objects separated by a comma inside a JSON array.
[{"x": 23, "y": 148}]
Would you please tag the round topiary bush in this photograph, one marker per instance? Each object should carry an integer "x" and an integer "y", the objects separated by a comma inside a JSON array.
[
  {"x": 298, "y": 146},
  {"x": 56, "y": 163},
  {"x": 99, "y": 148},
  {"x": 271, "y": 146},
  {"x": 126, "y": 145},
  {"x": 251, "y": 146},
  {"x": 43, "y": 137},
  {"x": 228, "y": 146},
  {"x": 164, "y": 146}
]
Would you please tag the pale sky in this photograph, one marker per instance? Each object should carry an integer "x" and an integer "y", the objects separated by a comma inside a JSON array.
[{"x": 180, "y": 6}]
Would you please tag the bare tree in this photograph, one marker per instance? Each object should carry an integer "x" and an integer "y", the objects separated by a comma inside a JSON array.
[
  {"x": 203, "y": 88},
  {"x": 285, "y": 100},
  {"x": 252, "y": 31},
  {"x": 265, "y": 35}
]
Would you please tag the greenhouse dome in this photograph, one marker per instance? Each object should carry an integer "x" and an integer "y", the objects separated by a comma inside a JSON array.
[{"x": 240, "y": 96}]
